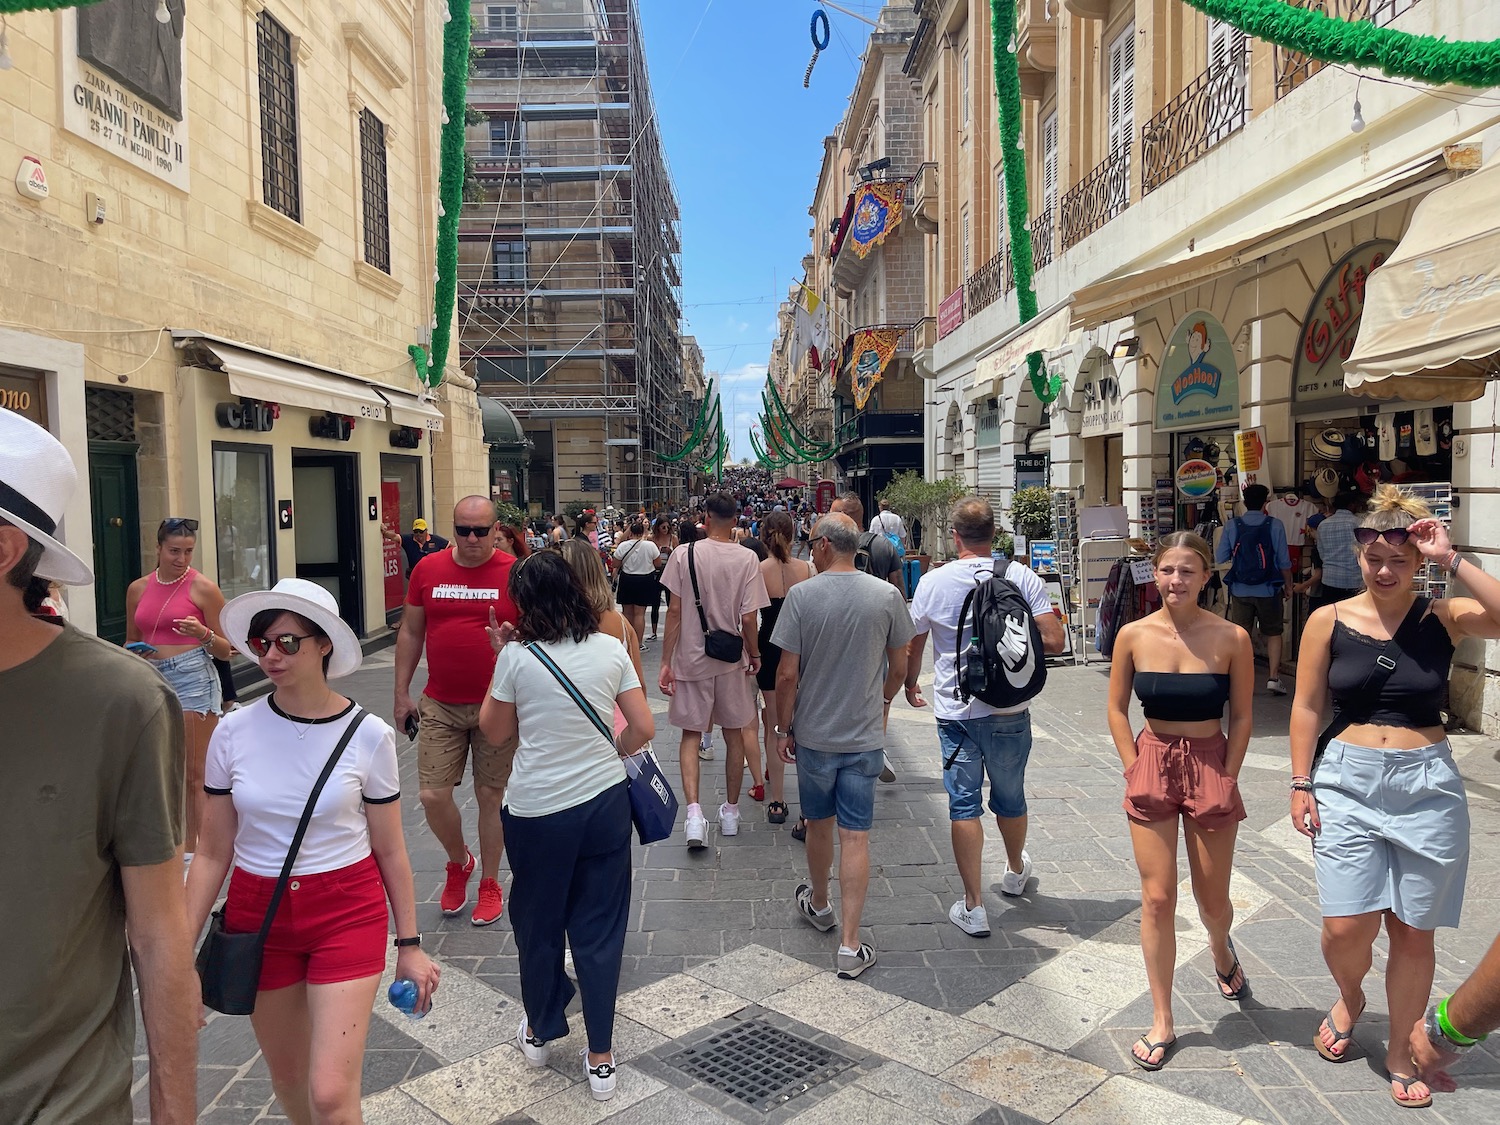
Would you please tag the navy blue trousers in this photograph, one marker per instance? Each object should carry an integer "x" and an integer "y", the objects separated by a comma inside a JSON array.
[{"x": 570, "y": 877}]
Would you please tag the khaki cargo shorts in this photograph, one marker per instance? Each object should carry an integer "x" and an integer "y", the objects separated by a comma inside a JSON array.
[{"x": 448, "y": 732}]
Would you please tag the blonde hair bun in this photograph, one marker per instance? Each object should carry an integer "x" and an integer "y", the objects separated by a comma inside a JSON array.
[{"x": 1394, "y": 500}]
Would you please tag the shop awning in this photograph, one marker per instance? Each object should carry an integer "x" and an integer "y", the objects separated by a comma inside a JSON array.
[
  {"x": 409, "y": 410},
  {"x": 1272, "y": 227},
  {"x": 268, "y": 378},
  {"x": 1431, "y": 325},
  {"x": 1045, "y": 332}
]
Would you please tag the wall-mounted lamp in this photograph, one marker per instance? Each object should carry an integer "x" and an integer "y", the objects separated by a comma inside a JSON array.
[
  {"x": 1127, "y": 348},
  {"x": 867, "y": 171}
]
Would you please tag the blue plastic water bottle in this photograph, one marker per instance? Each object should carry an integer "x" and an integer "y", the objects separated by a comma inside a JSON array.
[{"x": 404, "y": 996}]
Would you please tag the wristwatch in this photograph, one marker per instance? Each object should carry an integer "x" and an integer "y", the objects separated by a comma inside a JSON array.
[
  {"x": 779, "y": 733},
  {"x": 406, "y": 942}
]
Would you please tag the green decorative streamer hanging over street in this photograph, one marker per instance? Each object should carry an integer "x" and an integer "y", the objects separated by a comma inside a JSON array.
[{"x": 10, "y": 7}]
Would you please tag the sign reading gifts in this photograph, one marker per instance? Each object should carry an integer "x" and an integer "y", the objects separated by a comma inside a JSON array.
[
  {"x": 1332, "y": 322},
  {"x": 1199, "y": 385}
]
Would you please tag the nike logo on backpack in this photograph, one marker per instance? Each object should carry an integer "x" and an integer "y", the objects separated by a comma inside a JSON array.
[{"x": 1017, "y": 636}]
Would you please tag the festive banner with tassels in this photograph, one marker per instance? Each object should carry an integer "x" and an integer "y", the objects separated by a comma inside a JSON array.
[
  {"x": 877, "y": 212},
  {"x": 871, "y": 349}
]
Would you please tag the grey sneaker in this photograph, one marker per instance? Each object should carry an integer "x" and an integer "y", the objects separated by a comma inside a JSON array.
[
  {"x": 1013, "y": 883},
  {"x": 824, "y": 920},
  {"x": 887, "y": 774},
  {"x": 975, "y": 922},
  {"x": 852, "y": 964},
  {"x": 706, "y": 746},
  {"x": 1275, "y": 687}
]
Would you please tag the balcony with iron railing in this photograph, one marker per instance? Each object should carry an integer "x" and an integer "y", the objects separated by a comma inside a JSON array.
[
  {"x": 1293, "y": 68},
  {"x": 871, "y": 425},
  {"x": 989, "y": 282},
  {"x": 1097, "y": 198},
  {"x": 849, "y": 269},
  {"x": 1043, "y": 239},
  {"x": 1214, "y": 106}
]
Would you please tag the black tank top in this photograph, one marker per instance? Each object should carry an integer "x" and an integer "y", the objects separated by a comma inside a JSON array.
[
  {"x": 1182, "y": 697},
  {"x": 1412, "y": 696}
]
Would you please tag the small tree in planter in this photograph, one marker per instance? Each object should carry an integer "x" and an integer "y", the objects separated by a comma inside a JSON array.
[
  {"x": 913, "y": 496},
  {"x": 1031, "y": 512}
]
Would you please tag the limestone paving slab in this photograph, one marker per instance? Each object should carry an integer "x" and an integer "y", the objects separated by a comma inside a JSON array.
[
  {"x": 924, "y": 1095},
  {"x": 832, "y": 1005},
  {"x": 485, "y": 1087},
  {"x": 1024, "y": 1076},
  {"x": 1137, "y": 1101},
  {"x": 678, "y": 1004},
  {"x": 853, "y": 1104},
  {"x": 1040, "y": 1015},
  {"x": 923, "y": 1038},
  {"x": 576, "y": 1105},
  {"x": 753, "y": 972}
]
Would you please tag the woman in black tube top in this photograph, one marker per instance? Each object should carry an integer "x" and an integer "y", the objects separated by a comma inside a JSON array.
[
  {"x": 781, "y": 573},
  {"x": 1185, "y": 664}
]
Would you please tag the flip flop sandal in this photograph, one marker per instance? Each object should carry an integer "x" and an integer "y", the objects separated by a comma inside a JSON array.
[
  {"x": 1165, "y": 1047},
  {"x": 776, "y": 812},
  {"x": 799, "y": 830},
  {"x": 1338, "y": 1037},
  {"x": 1225, "y": 978},
  {"x": 1406, "y": 1084}
]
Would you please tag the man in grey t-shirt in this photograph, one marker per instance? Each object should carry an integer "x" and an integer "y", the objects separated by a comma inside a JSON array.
[{"x": 842, "y": 637}]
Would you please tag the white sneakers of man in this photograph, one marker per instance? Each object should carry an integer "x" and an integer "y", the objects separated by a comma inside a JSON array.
[
  {"x": 695, "y": 829},
  {"x": 601, "y": 1077},
  {"x": 536, "y": 1051},
  {"x": 1013, "y": 883},
  {"x": 1276, "y": 687},
  {"x": 971, "y": 920},
  {"x": 729, "y": 819}
]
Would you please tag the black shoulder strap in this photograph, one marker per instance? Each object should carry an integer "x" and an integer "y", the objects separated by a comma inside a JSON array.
[
  {"x": 1380, "y": 671},
  {"x": 697, "y": 599},
  {"x": 573, "y": 693},
  {"x": 307, "y": 812}
]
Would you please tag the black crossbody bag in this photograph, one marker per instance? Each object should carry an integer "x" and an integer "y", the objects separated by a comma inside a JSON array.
[
  {"x": 718, "y": 644},
  {"x": 229, "y": 964},
  {"x": 1380, "y": 672}
]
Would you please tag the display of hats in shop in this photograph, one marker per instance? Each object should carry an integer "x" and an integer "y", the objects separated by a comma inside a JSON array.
[
  {"x": 1356, "y": 448},
  {"x": 1212, "y": 452},
  {"x": 1326, "y": 481},
  {"x": 1194, "y": 448},
  {"x": 1328, "y": 445}
]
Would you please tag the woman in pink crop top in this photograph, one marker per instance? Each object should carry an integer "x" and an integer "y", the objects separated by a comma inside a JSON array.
[{"x": 175, "y": 609}]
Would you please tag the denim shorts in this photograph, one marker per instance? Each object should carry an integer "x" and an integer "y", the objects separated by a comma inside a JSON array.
[
  {"x": 195, "y": 680},
  {"x": 1395, "y": 833},
  {"x": 841, "y": 785},
  {"x": 998, "y": 745}
]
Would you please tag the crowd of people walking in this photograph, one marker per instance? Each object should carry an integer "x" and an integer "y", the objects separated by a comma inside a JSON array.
[{"x": 535, "y": 688}]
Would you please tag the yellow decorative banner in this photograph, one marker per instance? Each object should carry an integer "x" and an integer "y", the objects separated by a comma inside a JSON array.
[
  {"x": 877, "y": 212},
  {"x": 870, "y": 351}
]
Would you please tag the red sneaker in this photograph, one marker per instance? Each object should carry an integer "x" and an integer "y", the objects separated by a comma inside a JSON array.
[
  {"x": 456, "y": 888},
  {"x": 757, "y": 792},
  {"x": 491, "y": 903}
]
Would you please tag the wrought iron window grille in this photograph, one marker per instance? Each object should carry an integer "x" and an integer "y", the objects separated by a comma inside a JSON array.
[
  {"x": 1294, "y": 68},
  {"x": 281, "y": 173},
  {"x": 374, "y": 191}
]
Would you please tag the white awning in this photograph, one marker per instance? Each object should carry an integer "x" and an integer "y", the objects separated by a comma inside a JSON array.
[
  {"x": 1045, "y": 332},
  {"x": 1278, "y": 224},
  {"x": 409, "y": 410},
  {"x": 269, "y": 379},
  {"x": 1431, "y": 324}
]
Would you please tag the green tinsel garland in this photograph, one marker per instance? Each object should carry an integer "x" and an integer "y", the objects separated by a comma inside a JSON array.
[
  {"x": 450, "y": 193},
  {"x": 786, "y": 416},
  {"x": 695, "y": 435},
  {"x": 784, "y": 444},
  {"x": 1426, "y": 58},
  {"x": 1008, "y": 94},
  {"x": 10, "y": 7}
]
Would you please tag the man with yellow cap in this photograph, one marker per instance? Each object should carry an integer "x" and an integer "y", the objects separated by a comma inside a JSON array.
[{"x": 419, "y": 544}]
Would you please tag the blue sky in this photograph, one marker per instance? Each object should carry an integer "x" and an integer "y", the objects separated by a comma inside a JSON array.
[{"x": 744, "y": 141}]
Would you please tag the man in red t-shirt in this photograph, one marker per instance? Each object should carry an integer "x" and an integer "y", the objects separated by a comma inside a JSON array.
[{"x": 450, "y": 601}]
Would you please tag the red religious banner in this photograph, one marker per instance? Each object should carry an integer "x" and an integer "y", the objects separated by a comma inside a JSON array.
[
  {"x": 871, "y": 349},
  {"x": 1332, "y": 322},
  {"x": 951, "y": 312}
]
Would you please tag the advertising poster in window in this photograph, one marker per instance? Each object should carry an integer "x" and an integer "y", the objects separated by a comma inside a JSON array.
[
  {"x": 1199, "y": 386},
  {"x": 124, "y": 83},
  {"x": 390, "y": 517}
]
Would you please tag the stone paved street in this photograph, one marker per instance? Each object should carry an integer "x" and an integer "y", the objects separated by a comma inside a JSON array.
[{"x": 1032, "y": 1024}]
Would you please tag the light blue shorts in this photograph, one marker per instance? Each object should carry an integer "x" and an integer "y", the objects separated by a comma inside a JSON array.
[
  {"x": 1395, "y": 833},
  {"x": 195, "y": 680}
]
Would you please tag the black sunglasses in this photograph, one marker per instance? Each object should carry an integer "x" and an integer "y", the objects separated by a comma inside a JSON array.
[
  {"x": 817, "y": 539},
  {"x": 1395, "y": 536},
  {"x": 463, "y": 531},
  {"x": 288, "y": 643},
  {"x": 179, "y": 523}
]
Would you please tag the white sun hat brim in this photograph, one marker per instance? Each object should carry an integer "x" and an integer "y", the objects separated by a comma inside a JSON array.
[
  {"x": 295, "y": 595},
  {"x": 58, "y": 563}
]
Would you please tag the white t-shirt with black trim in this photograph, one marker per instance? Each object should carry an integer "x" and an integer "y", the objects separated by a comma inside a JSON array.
[{"x": 257, "y": 759}]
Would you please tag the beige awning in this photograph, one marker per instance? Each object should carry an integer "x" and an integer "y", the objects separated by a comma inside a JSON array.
[
  {"x": 409, "y": 410},
  {"x": 1266, "y": 230},
  {"x": 1431, "y": 324},
  {"x": 1045, "y": 332},
  {"x": 269, "y": 379}
]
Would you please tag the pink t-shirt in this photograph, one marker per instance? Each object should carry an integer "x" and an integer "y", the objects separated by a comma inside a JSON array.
[{"x": 731, "y": 586}]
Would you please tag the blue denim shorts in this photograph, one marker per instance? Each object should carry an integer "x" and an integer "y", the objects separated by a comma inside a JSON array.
[
  {"x": 1395, "y": 833},
  {"x": 195, "y": 680},
  {"x": 841, "y": 785},
  {"x": 998, "y": 745}
]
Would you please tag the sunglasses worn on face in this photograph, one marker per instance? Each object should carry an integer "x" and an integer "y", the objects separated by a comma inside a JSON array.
[
  {"x": 463, "y": 531},
  {"x": 1395, "y": 536},
  {"x": 816, "y": 539},
  {"x": 179, "y": 523},
  {"x": 288, "y": 643}
]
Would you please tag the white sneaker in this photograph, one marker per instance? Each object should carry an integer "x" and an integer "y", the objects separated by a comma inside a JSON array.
[
  {"x": 695, "y": 828},
  {"x": 706, "y": 746},
  {"x": 1275, "y": 687},
  {"x": 729, "y": 819},
  {"x": 568, "y": 969},
  {"x": 537, "y": 1052},
  {"x": 974, "y": 922},
  {"x": 601, "y": 1077},
  {"x": 1013, "y": 883},
  {"x": 887, "y": 774}
]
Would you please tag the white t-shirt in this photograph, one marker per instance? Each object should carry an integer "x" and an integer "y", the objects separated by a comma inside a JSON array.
[
  {"x": 935, "y": 608},
  {"x": 562, "y": 760},
  {"x": 636, "y": 556},
  {"x": 256, "y": 758},
  {"x": 1292, "y": 512},
  {"x": 888, "y": 523}
]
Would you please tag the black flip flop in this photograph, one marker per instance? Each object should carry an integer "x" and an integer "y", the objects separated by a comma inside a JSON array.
[
  {"x": 799, "y": 830},
  {"x": 1224, "y": 978},
  {"x": 1165, "y": 1047},
  {"x": 776, "y": 812}
]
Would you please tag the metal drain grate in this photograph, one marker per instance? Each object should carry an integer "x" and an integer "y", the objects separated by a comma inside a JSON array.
[{"x": 758, "y": 1064}]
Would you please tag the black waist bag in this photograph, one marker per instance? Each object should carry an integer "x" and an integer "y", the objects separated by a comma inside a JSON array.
[{"x": 718, "y": 644}]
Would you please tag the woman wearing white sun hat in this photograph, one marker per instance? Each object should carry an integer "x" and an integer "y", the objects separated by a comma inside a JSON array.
[{"x": 325, "y": 951}]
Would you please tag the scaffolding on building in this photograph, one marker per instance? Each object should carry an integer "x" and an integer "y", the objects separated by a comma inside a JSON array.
[{"x": 569, "y": 276}]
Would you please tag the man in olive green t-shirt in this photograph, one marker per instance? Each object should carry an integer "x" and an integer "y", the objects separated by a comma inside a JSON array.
[{"x": 91, "y": 764}]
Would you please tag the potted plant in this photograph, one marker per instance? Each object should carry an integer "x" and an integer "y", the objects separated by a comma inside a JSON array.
[
  {"x": 914, "y": 497},
  {"x": 1031, "y": 512}
]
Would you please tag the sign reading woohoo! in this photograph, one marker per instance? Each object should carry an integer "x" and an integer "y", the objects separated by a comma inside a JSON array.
[{"x": 1199, "y": 385}]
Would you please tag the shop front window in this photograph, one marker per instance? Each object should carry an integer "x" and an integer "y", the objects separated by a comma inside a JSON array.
[{"x": 243, "y": 518}]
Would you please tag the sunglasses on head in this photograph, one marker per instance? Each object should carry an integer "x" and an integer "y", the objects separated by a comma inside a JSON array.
[
  {"x": 288, "y": 643},
  {"x": 1395, "y": 536},
  {"x": 479, "y": 531},
  {"x": 179, "y": 523}
]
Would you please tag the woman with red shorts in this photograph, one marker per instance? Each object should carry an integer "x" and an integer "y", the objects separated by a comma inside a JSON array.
[{"x": 325, "y": 952}]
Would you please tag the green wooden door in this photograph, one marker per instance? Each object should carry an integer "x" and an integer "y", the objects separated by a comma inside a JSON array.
[{"x": 115, "y": 498}]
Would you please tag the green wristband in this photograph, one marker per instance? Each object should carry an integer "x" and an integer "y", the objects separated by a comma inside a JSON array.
[{"x": 1451, "y": 1032}]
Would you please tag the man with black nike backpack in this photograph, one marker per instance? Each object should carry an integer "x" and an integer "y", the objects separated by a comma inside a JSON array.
[{"x": 992, "y": 625}]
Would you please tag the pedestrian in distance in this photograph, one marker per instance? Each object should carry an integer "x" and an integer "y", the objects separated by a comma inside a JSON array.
[
  {"x": 780, "y": 573},
  {"x": 664, "y": 540},
  {"x": 843, "y": 638},
  {"x": 1377, "y": 791},
  {"x": 567, "y": 812},
  {"x": 91, "y": 845},
  {"x": 416, "y": 546},
  {"x": 588, "y": 568},
  {"x": 325, "y": 950},
  {"x": 511, "y": 540},
  {"x": 450, "y": 601},
  {"x": 976, "y": 738},
  {"x": 891, "y": 525},
  {"x": 1260, "y": 576},
  {"x": 172, "y": 615},
  {"x": 1338, "y": 573},
  {"x": 1185, "y": 664},
  {"x": 634, "y": 560},
  {"x": 717, "y": 589}
]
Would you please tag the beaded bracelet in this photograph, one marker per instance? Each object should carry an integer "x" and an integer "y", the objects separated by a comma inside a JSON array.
[{"x": 1302, "y": 785}]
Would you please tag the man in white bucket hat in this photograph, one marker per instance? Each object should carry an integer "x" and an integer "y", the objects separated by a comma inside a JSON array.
[{"x": 91, "y": 843}]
